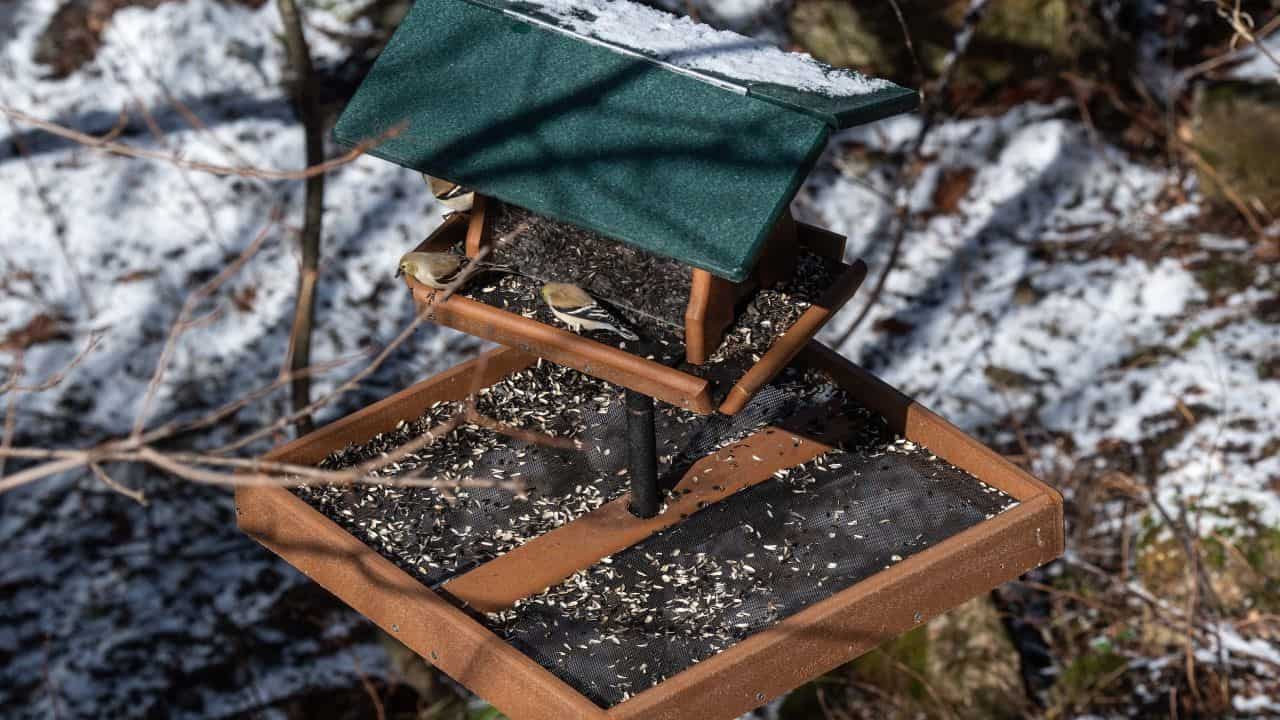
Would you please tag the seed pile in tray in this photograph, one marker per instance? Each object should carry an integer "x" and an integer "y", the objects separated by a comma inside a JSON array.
[
  {"x": 638, "y": 286},
  {"x": 541, "y": 487},
  {"x": 436, "y": 537},
  {"x": 746, "y": 563},
  {"x": 767, "y": 316},
  {"x": 560, "y": 252}
]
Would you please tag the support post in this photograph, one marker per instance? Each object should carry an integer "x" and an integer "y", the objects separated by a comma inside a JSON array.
[{"x": 642, "y": 455}]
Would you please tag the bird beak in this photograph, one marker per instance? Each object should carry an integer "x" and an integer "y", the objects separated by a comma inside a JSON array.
[{"x": 399, "y": 271}]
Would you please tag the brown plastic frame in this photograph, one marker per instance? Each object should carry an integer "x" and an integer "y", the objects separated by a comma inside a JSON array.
[
  {"x": 744, "y": 676},
  {"x": 618, "y": 366},
  {"x": 713, "y": 299}
]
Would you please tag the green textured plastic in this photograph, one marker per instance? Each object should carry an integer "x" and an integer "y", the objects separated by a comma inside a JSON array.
[
  {"x": 838, "y": 111},
  {"x": 583, "y": 134}
]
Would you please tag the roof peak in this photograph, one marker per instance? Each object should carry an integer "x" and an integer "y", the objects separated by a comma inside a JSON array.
[{"x": 684, "y": 45}]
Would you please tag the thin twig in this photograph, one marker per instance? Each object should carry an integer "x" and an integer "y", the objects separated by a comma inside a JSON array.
[
  {"x": 934, "y": 99},
  {"x": 182, "y": 322},
  {"x": 11, "y": 410},
  {"x": 116, "y": 148},
  {"x": 57, "y": 377},
  {"x": 426, "y": 313},
  {"x": 906, "y": 37},
  {"x": 135, "y": 495},
  {"x": 228, "y": 409},
  {"x": 1233, "y": 55},
  {"x": 379, "y": 710},
  {"x": 55, "y": 212}
]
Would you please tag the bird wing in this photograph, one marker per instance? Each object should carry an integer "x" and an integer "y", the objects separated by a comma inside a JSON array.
[
  {"x": 446, "y": 268},
  {"x": 597, "y": 317}
]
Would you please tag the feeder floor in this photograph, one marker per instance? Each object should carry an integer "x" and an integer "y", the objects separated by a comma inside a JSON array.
[{"x": 557, "y": 251}]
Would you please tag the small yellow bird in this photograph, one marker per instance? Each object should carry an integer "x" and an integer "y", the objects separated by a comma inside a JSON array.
[
  {"x": 450, "y": 194},
  {"x": 574, "y": 307},
  {"x": 439, "y": 269},
  {"x": 433, "y": 269}
]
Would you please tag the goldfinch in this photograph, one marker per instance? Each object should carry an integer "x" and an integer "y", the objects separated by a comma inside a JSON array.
[
  {"x": 438, "y": 269},
  {"x": 450, "y": 194},
  {"x": 433, "y": 269},
  {"x": 574, "y": 307}
]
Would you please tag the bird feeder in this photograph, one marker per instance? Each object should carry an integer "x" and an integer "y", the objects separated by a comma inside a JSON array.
[{"x": 775, "y": 513}]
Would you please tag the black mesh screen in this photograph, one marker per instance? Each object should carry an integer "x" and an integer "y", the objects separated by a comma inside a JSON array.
[
  {"x": 554, "y": 251},
  {"x": 742, "y": 564}
]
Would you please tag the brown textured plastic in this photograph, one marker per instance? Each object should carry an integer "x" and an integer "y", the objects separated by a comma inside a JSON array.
[
  {"x": 744, "y": 676},
  {"x": 709, "y": 314},
  {"x": 712, "y": 299}
]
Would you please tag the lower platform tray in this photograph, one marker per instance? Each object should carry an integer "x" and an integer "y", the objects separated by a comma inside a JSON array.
[{"x": 829, "y": 515}]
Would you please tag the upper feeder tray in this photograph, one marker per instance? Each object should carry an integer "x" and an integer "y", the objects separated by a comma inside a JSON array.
[
  {"x": 829, "y": 515},
  {"x": 744, "y": 333}
]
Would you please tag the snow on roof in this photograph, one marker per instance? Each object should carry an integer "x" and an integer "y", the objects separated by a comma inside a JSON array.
[{"x": 686, "y": 45}]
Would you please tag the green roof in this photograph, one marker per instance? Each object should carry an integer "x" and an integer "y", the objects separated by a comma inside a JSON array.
[{"x": 687, "y": 164}]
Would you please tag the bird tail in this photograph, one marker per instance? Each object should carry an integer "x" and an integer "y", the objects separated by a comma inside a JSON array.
[{"x": 625, "y": 332}]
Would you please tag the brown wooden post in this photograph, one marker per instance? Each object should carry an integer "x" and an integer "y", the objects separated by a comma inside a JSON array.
[
  {"x": 479, "y": 233},
  {"x": 710, "y": 312}
]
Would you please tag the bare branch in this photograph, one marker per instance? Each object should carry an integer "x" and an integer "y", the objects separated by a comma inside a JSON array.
[
  {"x": 228, "y": 409},
  {"x": 134, "y": 495},
  {"x": 57, "y": 377},
  {"x": 55, "y": 214},
  {"x": 427, "y": 311},
  {"x": 11, "y": 410},
  {"x": 116, "y": 148},
  {"x": 933, "y": 101},
  {"x": 181, "y": 323},
  {"x": 39, "y": 472},
  {"x": 306, "y": 104}
]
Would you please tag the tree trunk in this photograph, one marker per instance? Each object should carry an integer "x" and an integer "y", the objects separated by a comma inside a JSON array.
[{"x": 306, "y": 104}]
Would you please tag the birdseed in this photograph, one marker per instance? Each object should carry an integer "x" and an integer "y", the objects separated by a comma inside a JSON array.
[
  {"x": 747, "y": 562},
  {"x": 437, "y": 535},
  {"x": 648, "y": 292},
  {"x": 686, "y": 593}
]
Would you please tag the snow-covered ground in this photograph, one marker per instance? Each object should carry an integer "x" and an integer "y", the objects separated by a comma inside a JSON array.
[
  {"x": 114, "y": 610},
  {"x": 1053, "y": 295},
  {"x": 1065, "y": 289}
]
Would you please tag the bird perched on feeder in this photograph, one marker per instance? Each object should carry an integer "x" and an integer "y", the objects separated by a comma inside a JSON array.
[
  {"x": 450, "y": 194},
  {"x": 437, "y": 270},
  {"x": 574, "y": 307},
  {"x": 433, "y": 269}
]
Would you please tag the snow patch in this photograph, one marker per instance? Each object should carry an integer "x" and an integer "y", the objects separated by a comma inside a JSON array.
[
  {"x": 1259, "y": 65},
  {"x": 1017, "y": 304},
  {"x": 696, "y": 47}
]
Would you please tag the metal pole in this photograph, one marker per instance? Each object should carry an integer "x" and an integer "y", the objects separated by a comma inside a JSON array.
[{"x": 642, "y": 455}]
